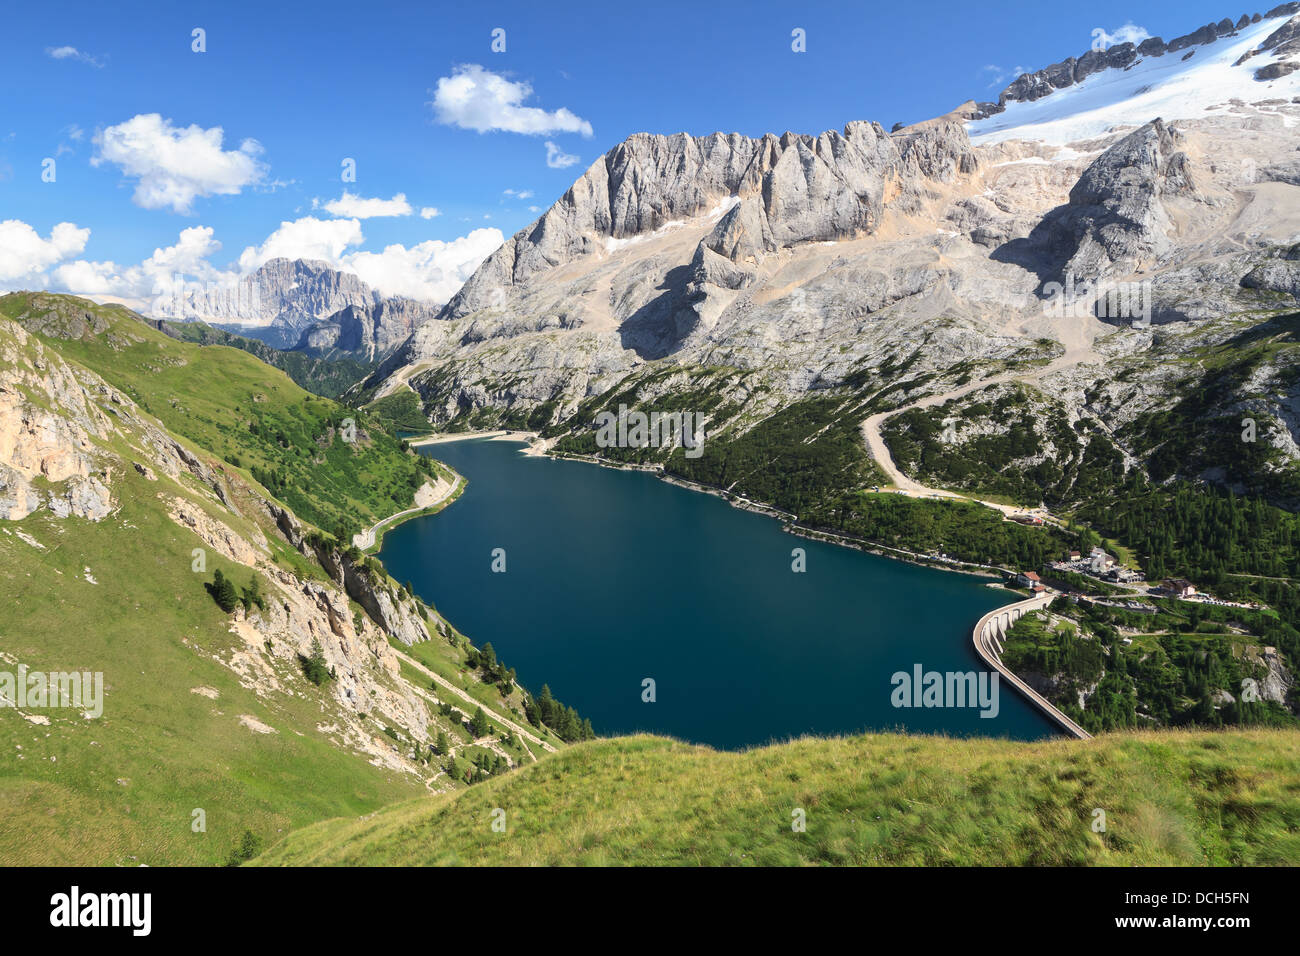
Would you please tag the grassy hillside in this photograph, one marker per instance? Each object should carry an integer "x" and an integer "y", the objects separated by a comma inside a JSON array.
[
  {"x": 121, "y": 789},
  {"x": 330, "y": 378},
  {"x": 213, "y": 734},
  {"x": 242, "y": 410},
  {"x": 121, "y": 596},
  {"x": 1168, "y": 798}
]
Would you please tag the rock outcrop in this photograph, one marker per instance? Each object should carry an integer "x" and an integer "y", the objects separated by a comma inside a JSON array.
[
  {"x": 366, "y": 331},
  {"x": 1115, "y": 218},
  {"x": 283, "y": 296}
]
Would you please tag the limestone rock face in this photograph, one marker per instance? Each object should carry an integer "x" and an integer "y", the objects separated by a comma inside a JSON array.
[
  {"x": 49, "y": 434},
  {"x": 284, "y": 296},
  {"x": 1116, "y": 217},
  {"x": 366, "y": 331},
  {"x": 804, "y": 188}
]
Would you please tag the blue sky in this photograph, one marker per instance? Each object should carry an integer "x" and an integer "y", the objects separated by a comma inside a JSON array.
[{"x": 131, "y": 115}]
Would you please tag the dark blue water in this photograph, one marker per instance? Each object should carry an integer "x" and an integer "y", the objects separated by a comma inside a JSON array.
[{"x": 613, "y": 577}]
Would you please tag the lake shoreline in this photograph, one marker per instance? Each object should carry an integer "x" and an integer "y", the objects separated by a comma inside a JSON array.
[
  {"x": 789, "y": 522},
  {"x": 870, "y": 621}
]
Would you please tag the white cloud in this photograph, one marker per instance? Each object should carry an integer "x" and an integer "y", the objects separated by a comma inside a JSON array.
[
  {"x": 305, "y": 238},
  {"x": 518, "y": 193},
  {"x": 188, "y": 258},
  {"x": 72, "y": 53},
  {"x": 428, "y": 212},
  {"x": 1128, "y": 33},
  {"x": 351, "y": 206},
  {"x": 432, "y": 270},
  {"x": 556, "y": 158},
  {"x": 24, "y": 255},
  {"x": 173, "y": 166},
  {"x": 478, "y": 99},
  {"x": 1000, "y": 76}
]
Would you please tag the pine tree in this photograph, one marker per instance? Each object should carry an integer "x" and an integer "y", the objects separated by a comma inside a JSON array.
[
  {"x": 478, "y": 724},
  {"x": 223, "y": 591},
  {"x": 442, "y": 746},
  {"x": 314, "y": 667},
  {"x": 253, "y": 595}
]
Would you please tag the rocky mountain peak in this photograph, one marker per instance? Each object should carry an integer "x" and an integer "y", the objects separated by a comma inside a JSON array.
[
  {"x": 1029, "y": 87},
  {"x": 789, "y": 189}
]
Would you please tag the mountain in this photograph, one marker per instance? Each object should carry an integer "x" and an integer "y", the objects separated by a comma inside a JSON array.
[
  {"x": 874, "y": 270},
  {"x": 276, "y": 301},
  {"x": 365, "y": 332},
  {"x": 134, "y": 468},
  {"x": 304, "y": 305},
  {"x": 1137, "y": 81}
]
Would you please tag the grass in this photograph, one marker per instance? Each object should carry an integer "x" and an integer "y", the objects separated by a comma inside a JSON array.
[
  {"x": 1169, "y": 798},
  {"x": 243, "y": 411},
  {"x": 170, "y": 750},
  {"x": 328, "y": 377},
  {"x": 449, "y": 663},
  {"x": 121, "y": 789}
]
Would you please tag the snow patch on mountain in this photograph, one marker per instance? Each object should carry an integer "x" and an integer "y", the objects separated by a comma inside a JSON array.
[{"x": 1172, "y": 86}]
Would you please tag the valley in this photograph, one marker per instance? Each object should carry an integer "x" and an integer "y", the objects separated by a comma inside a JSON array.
[{"x": 465, "y": 481}]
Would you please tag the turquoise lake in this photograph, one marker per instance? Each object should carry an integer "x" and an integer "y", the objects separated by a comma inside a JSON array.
[{"x": 613, "y": 577}]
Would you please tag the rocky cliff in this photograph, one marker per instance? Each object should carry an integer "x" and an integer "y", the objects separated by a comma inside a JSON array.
[
  {"x": 281, "y": 298},
  {"x": 891, "y": 266},
  {"x": 72, "y": 446},
  {"x": 368, "y": 332}
]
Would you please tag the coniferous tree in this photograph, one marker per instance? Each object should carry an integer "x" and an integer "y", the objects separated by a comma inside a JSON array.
[
  {"x": 314, "y": 667},
  {"x": 478, "y": 724},
  {"x": 223, "y": 591}
]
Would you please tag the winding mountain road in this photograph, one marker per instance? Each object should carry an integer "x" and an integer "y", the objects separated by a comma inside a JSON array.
[
  {"x": 1077, "y": 352},
  {"x": 429, "y": 496}
]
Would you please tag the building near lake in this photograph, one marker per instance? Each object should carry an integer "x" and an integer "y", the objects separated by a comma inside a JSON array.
[{"x": 1031, "y": 580}]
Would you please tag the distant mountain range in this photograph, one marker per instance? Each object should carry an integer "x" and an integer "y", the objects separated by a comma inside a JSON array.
[
  {"x": 307, "y": 305},
  {"x": 751, "y": 275}
]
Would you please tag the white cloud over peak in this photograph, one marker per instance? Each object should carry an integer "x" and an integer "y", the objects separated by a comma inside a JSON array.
[
  {"x": 1128, "y": 33},
  {"x": 188, "y": 257},
  {"x": 432, "y": 270},
  {"x": 478, "y": 99},
  {"x": 428, "y": 212},
  {"x": 352, "y": 206},
  {"x": 24, "y": 255},
  {"x": 305, "y": 238},
  {"x": 173, "y": 166},
  {"x": 518, "y": 193},
  {"x": 557, "y": 158}
]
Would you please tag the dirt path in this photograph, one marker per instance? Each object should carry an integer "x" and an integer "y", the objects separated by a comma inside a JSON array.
[
  {"x": 448, "y": 685},
  {"x": 429, "y": 496},
  {"x": 1078, "y": 350}
]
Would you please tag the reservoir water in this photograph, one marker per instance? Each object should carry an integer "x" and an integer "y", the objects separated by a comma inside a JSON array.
[{"x": 612, "y": 577}]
